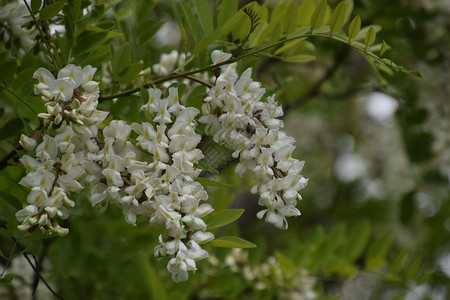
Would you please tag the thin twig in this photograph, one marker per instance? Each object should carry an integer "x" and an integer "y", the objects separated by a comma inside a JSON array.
[
  {"x": 4, "y": 159},
  {"x": 20, "y": 99},
  {"x": 41, "y": 278},
  {"x": 42, "y": 35},
  {"x": 315, "y": 89},
  {"x": 207, "y": 84}
]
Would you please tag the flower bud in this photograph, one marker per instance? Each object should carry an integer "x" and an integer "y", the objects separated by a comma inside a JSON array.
[{"x": 27, "y": 143}]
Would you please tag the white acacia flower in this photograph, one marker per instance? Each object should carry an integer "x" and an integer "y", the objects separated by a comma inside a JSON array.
[
  {"x": 71, "y": 74},
  {"x": 27, "y": 143},
  {"x": 218, "y": 56}
]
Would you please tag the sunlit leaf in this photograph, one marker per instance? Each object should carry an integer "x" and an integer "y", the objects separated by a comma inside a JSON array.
[
  {"x": 288, "y": 46},
  {"x": 223, "y": 217},
  {"x": 204, "y": 15},
  {"x": 306, "y": 11},
  {"x": 384, "y": 47},
  {"x": 290, "y": 19},
  {"x": 232, "y": 242},
  {"x": 370, "y": 37},
  {"x": 210, "y": 182},
  {"x": 191, "y": 20},
  {"x": 227, "y": 10},
  {"x": 319, "y": 16},
  {"x": 337, "y": 19},
  {"x": 354, "y": 28}
]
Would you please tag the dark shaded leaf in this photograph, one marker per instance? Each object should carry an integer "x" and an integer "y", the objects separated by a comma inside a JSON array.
[{"x": 51, "y": 10}]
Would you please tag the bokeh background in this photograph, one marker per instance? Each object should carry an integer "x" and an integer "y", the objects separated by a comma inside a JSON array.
[{"x": 375, "y": 218}]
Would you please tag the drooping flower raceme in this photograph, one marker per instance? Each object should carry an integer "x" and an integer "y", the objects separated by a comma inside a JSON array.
[
  {"x": 153, "y": 176},
  {"x": 71, "y": 126},
  {"x": 237, "y": 116},
  {"x": 18, "y": 24}
]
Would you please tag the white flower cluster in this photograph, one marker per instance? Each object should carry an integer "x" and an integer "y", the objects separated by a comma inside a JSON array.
[
  {"x": 57, "y": 169},
  {"x": 154, "y": 179},
  {"x": 168, "y": 62},
  {"x": 176, "y": 202},
  {"x": 236, "y": 116},
  {"x": 16, "y": 18},
  {"x": 155, "y": 176}
]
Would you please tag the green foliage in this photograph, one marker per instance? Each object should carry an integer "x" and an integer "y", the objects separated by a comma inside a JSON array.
[
  {"x": 232, "y": 242},
  {"x": 222, "y": 218},
  {"x": 397, "y": 234}
]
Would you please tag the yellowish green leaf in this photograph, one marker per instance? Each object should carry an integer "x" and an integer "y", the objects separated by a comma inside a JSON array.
[
  {"x": 290, "y": 19},
  {"x": 384, "y": 47},
  {"x": 354, "y": 28},
  {"x": 337, "y": 19},
  {"x": 232, "y": 242},
  {"x": 370, "y": 37},
  {"x": 306, "y": 11},
  {"x": 319, "y": 16}
]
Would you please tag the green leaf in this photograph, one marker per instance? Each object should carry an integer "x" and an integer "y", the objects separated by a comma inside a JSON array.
[
  {"x": 130, "y": 73},
  {"x": 337, "y": 19},
  {"x": 11, "y": 200},
  {"x": 354, "y": 28},
  {"x": 2, "y": 255},
  {"x": 144, "y": 95},
  {"x": 192, "y": 21},
  {"x": 399, "y": 262},
  {"x": 424, "y": 278},
  {"x": 232, "y": 242},
  {"x": 36, "y": 5},
  {"x": 120, "y": 59},
  {"x": 290, "y": 19},
  {"x": 299, "y": 58},
  {"x": 7, "y": 278},
  {"x": 225, "y": 29},
  {"x": 195, "y": 98},
  {"x": 51, "y": 10},
  {"x": 319, "y": 16},
  {"x": 204, "y": 166},
  {"x": 221, "y": 218},
  {"x": 227, "y": 10},
  {"x": 204, "y": 15},
  {"x": 88, "y": 39},
  {"x": 384, "y": 47},
  {"x": 306, "y": 11},
  {"x": 359, "y": 237},
  {"x": 363, "y": 32},
  {"x": 413, "y": 268},
  {"x": 376, "y": 256},
  {"x": 210, "y": 182},
  {"x": 288, "y": 46},
  {"x": 8, "y": 67},
  {"x": 147, "y": 278},
  {"x": 23, "y": 77},
  {"x": 11, "y": 128},
  {"x": 370, "y": 37}
]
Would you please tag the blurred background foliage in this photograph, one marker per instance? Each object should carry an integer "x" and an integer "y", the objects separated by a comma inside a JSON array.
[{"x": 375, "y": 218}]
